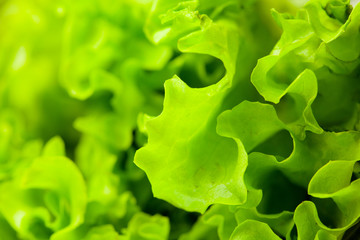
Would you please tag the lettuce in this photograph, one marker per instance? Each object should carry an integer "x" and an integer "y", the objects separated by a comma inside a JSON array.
[
  {"x": 272, "y": 152},
  {"x": 179, "y": 119},
  {"x": 210, "y": 164}
]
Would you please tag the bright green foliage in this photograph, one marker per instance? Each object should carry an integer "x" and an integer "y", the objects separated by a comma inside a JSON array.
[
  {"x": 46, "y": 49},
  {"x": 198, "y": 161},
  {"x": 251, "y": 229},
  {"x": 271, "y": 151},
  {"x": 145, "y": 227},
  {"x": 48, "y": 195},
  {"x": 106, "y": 232},
  {"x": 241, "y": 118}
]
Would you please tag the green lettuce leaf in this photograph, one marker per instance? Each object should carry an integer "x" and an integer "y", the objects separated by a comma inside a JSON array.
[
  {"x": 47, "y": 199},
  {"x": 108, "y": 199},
  {"x": 311, "y": 40},
  {"x": 251, "y": 229},
  {"x": 205, "y": 167},
  {"x": 338, "y": 194},
  {"x": 256, "y": 129},
  {"x": 145, "y": 227},
  {"x": 201, "y": 121},
  {"x": 106, "y": 232}
]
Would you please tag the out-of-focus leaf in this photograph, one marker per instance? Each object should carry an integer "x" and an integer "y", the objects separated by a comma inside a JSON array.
[
  {"x": 145, "y": 227},
  {"x": 105, "y": 232},
  {"x": 47, "y": 199}
]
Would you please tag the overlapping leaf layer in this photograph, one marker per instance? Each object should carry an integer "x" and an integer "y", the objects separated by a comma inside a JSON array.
[{"x": 244, "y": 111}]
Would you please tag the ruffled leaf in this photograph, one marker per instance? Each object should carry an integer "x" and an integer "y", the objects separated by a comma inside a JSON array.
[
  {"x": 145, "y": 227},
  {"x": 251, "y": 229}
]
